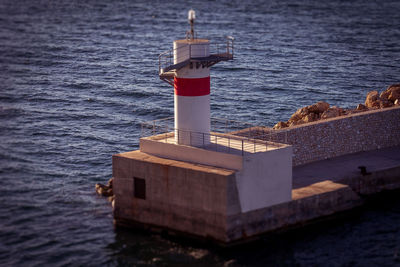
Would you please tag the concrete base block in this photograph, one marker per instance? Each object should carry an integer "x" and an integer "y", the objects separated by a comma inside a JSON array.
[
  {"x": 204, "y": 201},
  {"x": 309, "y": 203}
]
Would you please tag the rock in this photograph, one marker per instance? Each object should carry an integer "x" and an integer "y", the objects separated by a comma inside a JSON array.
[
  {"x": 385, "y": 94},
  {"x": 303, "y": 114},
  {"x": 280, "y": 125},
  {"x": 361, "y": 107},
  {"x": 372, "y": 99},
  {"x": 104, "y": 190},
  {"x": 352, "y": 111},
  {"x": 110, "y": 182},
  {"x": 299, "y": 114},
  {"x": 332, "y": 112},
  {"x": 318, "y": 107},
  {"x": 293, "y": 123},
  {"x": 230, "y": 263},
  {"x": 391, "y": 93},
  {"x": 198, "y": 253},
  {"x": 309, "y": 118},
  {"x": 384, "y": 103},
  {"x": 322, "y": 110}
]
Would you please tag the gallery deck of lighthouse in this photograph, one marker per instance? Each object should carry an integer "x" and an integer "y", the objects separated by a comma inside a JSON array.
[{"x": 230, "y": 186}]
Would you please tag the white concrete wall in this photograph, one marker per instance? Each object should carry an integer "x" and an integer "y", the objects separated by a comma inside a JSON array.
[
  {"x": 191, "y": 154},
  {"x": 200, "y": 49},
  {"x": 192, "y": 114},
  {"x": 265, "y": 179},
  {"x": 187, "y": 72},
  {"x": 181, "y": 52},
  {"x": 183, "y": 49}
]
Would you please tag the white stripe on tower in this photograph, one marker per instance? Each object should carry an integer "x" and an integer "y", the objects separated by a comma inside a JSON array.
[{"x": 192, "y": 94}]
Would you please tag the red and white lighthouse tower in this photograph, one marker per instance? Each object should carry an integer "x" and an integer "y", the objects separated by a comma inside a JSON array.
[{"x": 187, "y": 68}]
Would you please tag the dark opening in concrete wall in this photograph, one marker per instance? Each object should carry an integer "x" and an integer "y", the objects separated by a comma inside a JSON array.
[{"x": 139, "y": 187}]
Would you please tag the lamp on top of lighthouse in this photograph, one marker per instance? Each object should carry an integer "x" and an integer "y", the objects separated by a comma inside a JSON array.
[{"x": 191, "y": 18}]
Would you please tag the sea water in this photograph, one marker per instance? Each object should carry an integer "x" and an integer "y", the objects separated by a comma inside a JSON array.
[{"x": 77, "y": 79}]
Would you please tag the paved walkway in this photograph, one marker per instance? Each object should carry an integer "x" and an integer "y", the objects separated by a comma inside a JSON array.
[
  {"x": 335, "y": 169},
  {"x": 227, "y": 144}
]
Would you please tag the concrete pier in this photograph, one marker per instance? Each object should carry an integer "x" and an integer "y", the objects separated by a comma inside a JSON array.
[
  {"x": 324, "y": 188},
  {"x": 238, "y": 188},
  {"x": 201, "y": 200}
]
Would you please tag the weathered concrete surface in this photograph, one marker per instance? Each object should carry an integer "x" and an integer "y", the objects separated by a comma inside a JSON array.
[
  {"x": 265, "y": 179},
  {"x": 203, "y": 201},
  {"x": 309, "y": 203},
  {"x": 185, "y": 197},
  {"x": 383, "y": 164},
  {"x": 190, "y": 154}
]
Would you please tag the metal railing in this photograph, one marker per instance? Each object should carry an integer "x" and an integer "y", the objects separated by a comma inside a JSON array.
[
  {"x": 225, "y": 136},
  {"x": 166, "y": 59}
]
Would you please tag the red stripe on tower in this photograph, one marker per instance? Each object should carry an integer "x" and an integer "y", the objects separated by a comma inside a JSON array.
[{"x": 192, "y": 86}]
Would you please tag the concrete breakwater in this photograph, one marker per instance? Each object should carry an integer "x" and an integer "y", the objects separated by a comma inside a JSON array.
[
  {"x": 210, "y": 201},
  {"x": 320, "y": 189},
  {"x": 326, "y": 187}
]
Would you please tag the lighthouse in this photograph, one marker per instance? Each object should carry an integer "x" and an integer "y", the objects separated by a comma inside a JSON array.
[
  {"x": 187, "y": 69},
  {"x": 194, "y": 179}
]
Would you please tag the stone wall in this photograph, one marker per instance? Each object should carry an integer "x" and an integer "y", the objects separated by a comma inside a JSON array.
[{"x": 338, "y": 136}]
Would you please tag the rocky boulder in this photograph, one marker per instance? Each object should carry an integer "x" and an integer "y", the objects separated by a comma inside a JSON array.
[
  {"x": 105, "y": 190},
  {"x": 309, "y": 113},
  {"x": 332, "y": 112},
  {"x": 310, "y": 117},
  {"x": 322, "y": 110},
  {"x": 361, "y": 107},
  {"x": 384, "y": 103},
  {"x": 372, "y": 100},
  {"x": 392, "y": 93},
  {"x": 280, "y": 125},
  {"x": 318, "y": 107},
  {"x": 299, "y": 114}
]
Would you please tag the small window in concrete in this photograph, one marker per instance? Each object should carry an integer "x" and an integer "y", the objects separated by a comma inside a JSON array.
[{"x": 139, "y": 187}]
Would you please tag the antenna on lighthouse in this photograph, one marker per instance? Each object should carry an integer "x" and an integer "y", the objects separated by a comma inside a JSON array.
[{"x": 191, "y": 18}]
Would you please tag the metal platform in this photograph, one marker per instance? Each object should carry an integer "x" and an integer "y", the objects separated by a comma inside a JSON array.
[{"x": 167, "y": 67}]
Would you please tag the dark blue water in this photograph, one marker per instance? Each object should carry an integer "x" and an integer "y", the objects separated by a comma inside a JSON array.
[{"x": 78, "y": 77}]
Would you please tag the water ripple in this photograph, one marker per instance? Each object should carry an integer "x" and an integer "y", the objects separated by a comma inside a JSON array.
[{"x": 78, "y": 78}]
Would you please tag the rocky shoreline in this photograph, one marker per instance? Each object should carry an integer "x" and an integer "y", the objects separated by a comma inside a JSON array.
[
  {"x": 106, "y": 190},
  {"x": 322, "y": 110}
]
